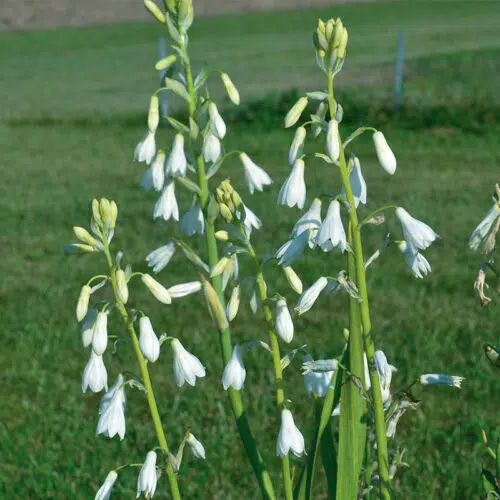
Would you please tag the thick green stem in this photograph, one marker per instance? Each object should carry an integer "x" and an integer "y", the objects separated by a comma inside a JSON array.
[
  {"x": 242, "y": 423},
  {"x": 143, "y": 365},
  {"x": 278, "y": 372},
  {"x": 380, "y": 427}
]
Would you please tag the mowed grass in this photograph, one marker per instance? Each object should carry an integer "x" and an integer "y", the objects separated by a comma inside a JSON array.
[{"x": 97, "y": 81}]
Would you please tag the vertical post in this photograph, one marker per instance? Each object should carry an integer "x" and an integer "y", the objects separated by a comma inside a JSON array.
[
  {"x": 398, "y": 77},
  {"x": 162, "y": 53}
]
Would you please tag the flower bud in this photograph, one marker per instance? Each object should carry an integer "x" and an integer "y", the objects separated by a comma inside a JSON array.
[
  {"x": 283, "y": 323},
  {"x": 83, "y": 302},
  {"x": 84, "y": 236},
  {"x": 100, "y": 336},
  {"x": 385, "y": 155},
  {"x": 105, "y": 210},
  {"x": 211, "y": 148},
  {"x": 217, "y": 124},
  {"x": 293, "y": 279},
  {"x": 113, "y": 213},
  {"x": 154, "y": 113},
  {"x": 212, "y": 210},
  {"x": 96, "y": 212},
  {"x": 332, "y": 140},
  {"x": 196, "y": 447},
  {"x": 148, "y": 341},
  {"x": 297, "y": 109},
  {"x": 233, "y": 304},
  {"x": 297, "y": 145},
  {"x": 121, "y": 284},
  {"x": 220, "y": 266},
  {"x": 155, "y": 10},
  {"x": 231, "y": 90},
  {"x": 158, "y": 290},
  {"x": 222, "y": 235},
  {"x": 214, "y": 306}
]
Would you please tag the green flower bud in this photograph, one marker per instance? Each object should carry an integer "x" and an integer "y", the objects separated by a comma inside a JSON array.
[
  {"x": 212, "y": 210},
  {"x": 121, "y": 284},
  {"x": 154, "y": 113},
  {"x": 231, "y": 90},
  {"x": 155, "y": 10},
  {"x": 214, "y": 306},
  {"x": 295, "y": 112},
  {"x": 225, "y": 212},
  {"x": 84, "y": 236},
  {"x": 82, "y": 305}
]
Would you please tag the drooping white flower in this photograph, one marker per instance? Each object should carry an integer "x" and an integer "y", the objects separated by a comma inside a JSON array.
[
  {"x": 441, "y": 379},
  {"x": 385, "y": 155},
  {"x": 186, "y": 366},
  {"x": 95, "y": 376},
  {"x": 112, "y": 411},
  {"x": 297, "y": 145},
  {"x": 283, "y": 323},
  {"x": 293, "y": 191},
  {"x": 166, "y": 206},
  {"x": 196, "y": 447},
  {"x": 316, "y": 382},
  {"x": 158, "y": 259},
  {"x": 158, "y": 171},
  {"x": 147, "y": 179},
  {"x": 417, "y": 263},
  {"x": 384, "y": 370},
  {"x": 331, "y": 234},
  {"x": 310, "y": 220},
  {"x": 177, "y": 164},
  {"x": 217, "y": 125},
  {"x": 357, "y": 182},
  {"x": 88, "y": 327},
  {"x": 148, "y": 341},
  {"x": 293, "y": 249},
  {"x": 250, "y": 220},
  {"x": 104, "y": 491},
  {"x": 485, "y": 226},
  {"x": 211, "y": 148},
  {"x": 255, "y": 176},
  {"x": 100, "y": 335},
  {"x": 289, "y": 437},
  {"x": 157, "y": 289},
  {"x": 309, "y": 297},
  {"x": 418, "y": 234},
  {"x": 146, "y": 149},
  {"x": 332, "y": 140},
  {"x": 193, "y": 221},
  {"x": 234, "y": 373},
  {"x": 184, "y": 289},
  {"x": 147, "y": 477}
]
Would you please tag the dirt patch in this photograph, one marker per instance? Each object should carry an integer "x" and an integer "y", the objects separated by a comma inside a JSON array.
[{"x": 33, "y": 14}]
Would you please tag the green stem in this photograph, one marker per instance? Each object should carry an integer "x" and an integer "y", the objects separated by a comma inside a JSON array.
[
  {"x": 380, "y": 427},
  {"x": 275, "y": 349},
  {"x": 162, "y": 440},
  {"x": 242, "y": 423}
]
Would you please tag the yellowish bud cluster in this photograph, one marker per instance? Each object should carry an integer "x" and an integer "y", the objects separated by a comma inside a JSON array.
[
  {"x": 228, "y": 200},
  {"x": 330, "y": 41},
  {"x": 104, "y": 213}
]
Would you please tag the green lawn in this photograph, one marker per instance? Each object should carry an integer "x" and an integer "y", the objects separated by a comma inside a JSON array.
[{"x": 71, "y": 103}]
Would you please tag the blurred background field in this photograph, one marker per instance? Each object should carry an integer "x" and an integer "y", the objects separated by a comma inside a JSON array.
[{"x": 73, "y": 108}]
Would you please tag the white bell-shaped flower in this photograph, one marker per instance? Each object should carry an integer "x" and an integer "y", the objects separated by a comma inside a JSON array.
[
  {"x": 195, "y": 446},
  {"x": 289, "y": 437},
  {"x": 158, "y": 259},
  {"x": 88, "y": 327},
  {"x": 177, "y": 164},
  {"x": 283, "y": 323},
  {"x": 293, "y": 191},
  {"x": 293, "y": 249},
  {"x": 385, "y": 155},
  {"x": 166, "y": 206},
  {"x": 417, "y": 263},
  {"x": 193, "y": 221},
  {"x": 310, "y": 220},
  {"x": 309, "y": 297},
  {"x": 417, "y": 234},
  {"x": 146, "y": 482},
  {"x": 217, "y": 125},
  {"x": 250, "y": 220},
  {"x": 255, "y": 176},
  {"x": 316, "y": 382},
  {"x": 146, "y": 149},
  {"x": 384, "y": 370},
  {"x": 332, "y": 140},
  {"x": 104, "y": 491},
  {"x": 184, "y": 289},
  {"x": 158, "y": 171},
  {"x": 234, "y": 373},
  {"x": 186, "y": 366},
  {"x": 100, "y": 335},
  {"x": 441, "y": 379},
  {"x": 211, "y": 148},
  {"x": 112, "y": 411},
  {"x": 95, "y": 376},
  {"x": 148, "y": 341},
  {"x": 331, "y": 234},
  {"x": 358, "y": 184}
]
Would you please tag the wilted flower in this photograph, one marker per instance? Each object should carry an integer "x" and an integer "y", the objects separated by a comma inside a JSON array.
[
  {"x": 105, "y": 490},
  {"x": 283, "y": 323},
  {"x": 148, "y": 341},
  {"x": 158, "y": 259},
  {"x": 100, "y": 335},
  {"x": 186, "y": 366},
  {"x": 482, "y": 231},
  {"x": 112, "y": 411},
  {"x": 479, "y": 286},
  {"x": 417, "y": 263},
  {"x": 147, "y": 477},
  {"x": 418, "y": 234},
  {"x": 95, "y": 375},
  {"x": 440, "y": 379},
  {"x": 401, "y": 406},
  {"x": 308, "y": 298},
  {"x": 331, "y": 234},
  {"x": 166, "y": 206},
  {"x": 184, "y": 289},
  {"x": 234, "y": 373},
  {"x": 293, "y": 249},
  {"x": 385, "y": 155},
  {"x": 195, "y": 446},
  {"x": 193, "y": 221},
  {"x": 293, "y": 191},
  {"x": 289, "y": 437},
  {"x": 255, "y": 176},
  {"x": 146, "y": 149},
  {"x": 316, "y": 382},
  {"x": 176, "y": 164},
  {"x": 217, "y": 124}
]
